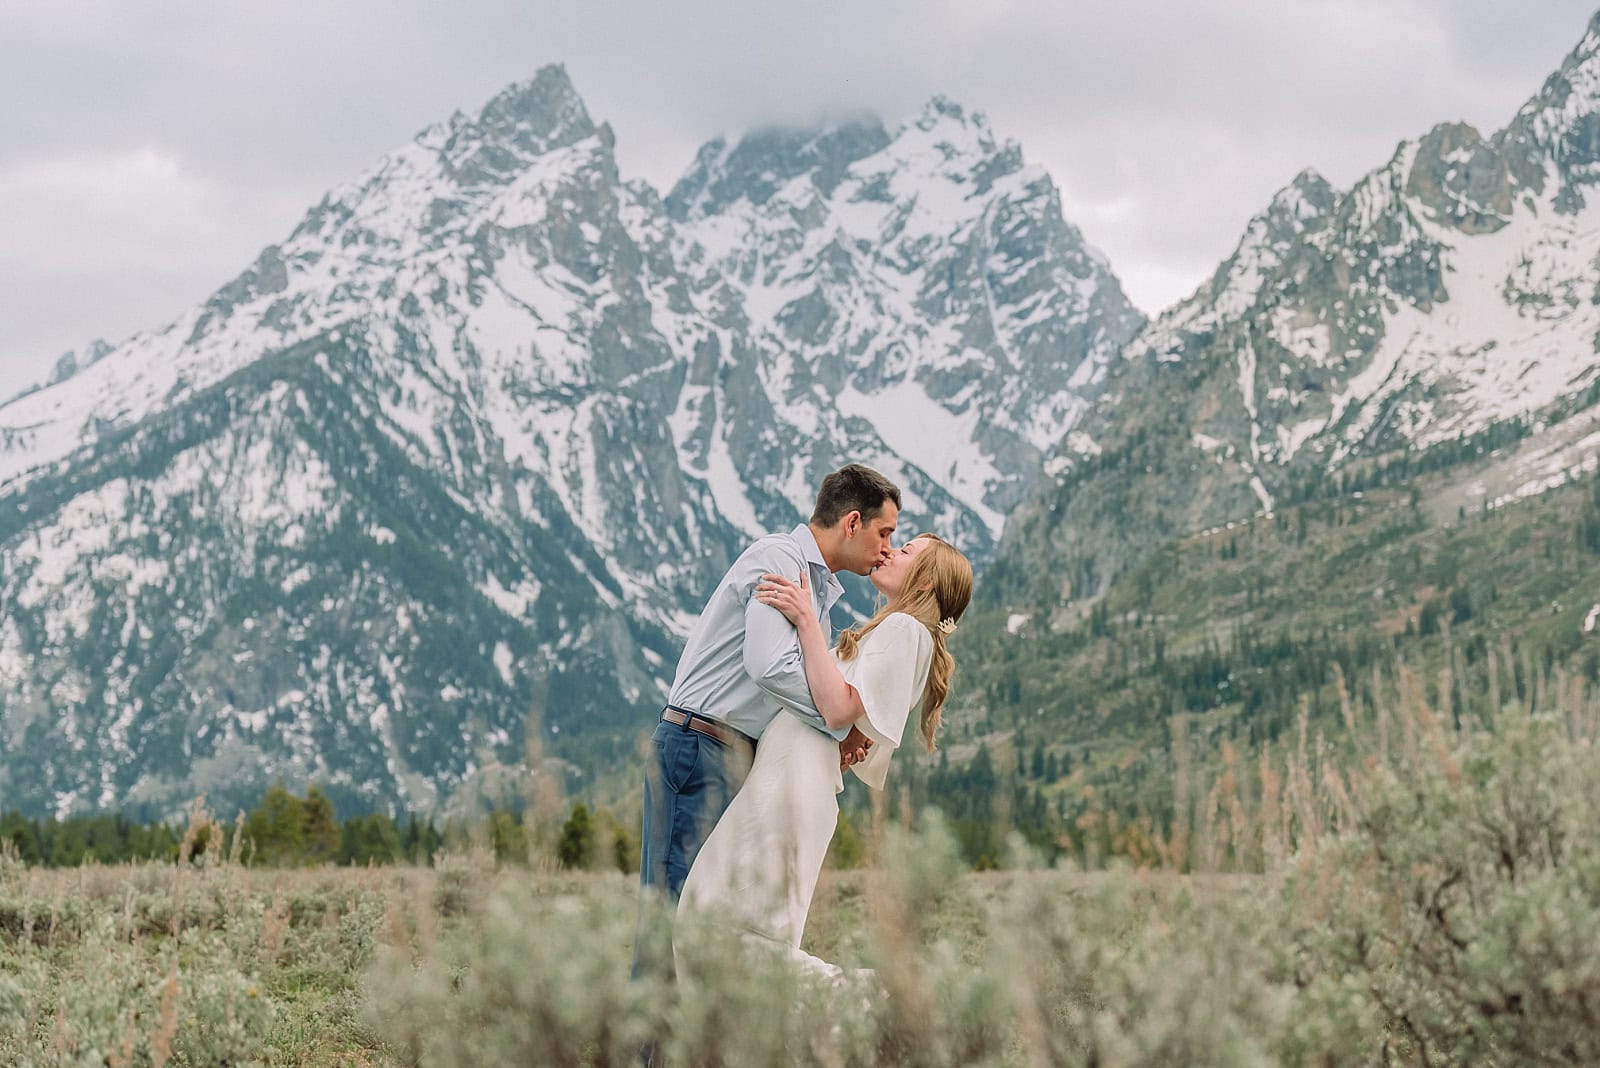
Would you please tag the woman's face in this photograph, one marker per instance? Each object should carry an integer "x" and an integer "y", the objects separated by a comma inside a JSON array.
[{"x": 890, "y": 575}]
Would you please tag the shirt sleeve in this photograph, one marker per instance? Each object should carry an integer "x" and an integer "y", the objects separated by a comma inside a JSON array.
[
  {"x": 771, "y": 651},
  {"x": 890, "y": 676}
]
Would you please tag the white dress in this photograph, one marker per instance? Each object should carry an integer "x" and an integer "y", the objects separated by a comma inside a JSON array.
[{"x": 759, "y": 867}]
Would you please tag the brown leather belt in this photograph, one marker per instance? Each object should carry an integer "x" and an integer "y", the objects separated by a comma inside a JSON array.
[{"x": 682, "y": 717}]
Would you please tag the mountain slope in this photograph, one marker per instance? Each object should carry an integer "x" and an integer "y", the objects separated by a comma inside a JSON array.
[
  {"x": 1450, "y": 292},
  {"x": 354, "y": 416}
]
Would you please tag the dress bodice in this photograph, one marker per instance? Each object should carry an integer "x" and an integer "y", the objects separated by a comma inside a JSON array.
[{"x": 889, "y": 671}]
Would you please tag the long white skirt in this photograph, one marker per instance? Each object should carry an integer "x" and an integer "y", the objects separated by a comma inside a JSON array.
[{"x": 758, "y": 870}]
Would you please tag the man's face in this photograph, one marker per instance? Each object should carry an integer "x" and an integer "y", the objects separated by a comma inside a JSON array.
[{"x": 867, "y": 540}]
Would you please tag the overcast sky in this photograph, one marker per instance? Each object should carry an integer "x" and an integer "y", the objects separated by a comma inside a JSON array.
[{"x": 148, "y": 150}]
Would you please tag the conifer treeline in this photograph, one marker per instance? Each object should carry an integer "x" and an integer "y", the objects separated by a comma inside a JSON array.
[{"x": 288, "y": 830}]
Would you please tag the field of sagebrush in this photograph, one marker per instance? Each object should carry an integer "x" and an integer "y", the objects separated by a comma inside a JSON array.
[{"x": 1436, "y": 901}]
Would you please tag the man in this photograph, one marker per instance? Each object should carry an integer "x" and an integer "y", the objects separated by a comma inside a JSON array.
[{"x": 741, "y": 665}]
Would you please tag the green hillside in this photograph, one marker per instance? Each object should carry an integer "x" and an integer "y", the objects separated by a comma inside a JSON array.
[{"x": 1223, "y": 639}]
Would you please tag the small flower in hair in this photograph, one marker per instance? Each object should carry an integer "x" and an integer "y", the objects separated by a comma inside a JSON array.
[{"x": 947, "y": 626}]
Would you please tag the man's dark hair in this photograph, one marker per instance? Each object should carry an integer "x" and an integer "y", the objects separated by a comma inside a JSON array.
[{"x": 853, "y": 488}]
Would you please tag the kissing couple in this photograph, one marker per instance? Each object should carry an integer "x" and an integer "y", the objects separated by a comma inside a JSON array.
[{"x": 763, "y": 717}]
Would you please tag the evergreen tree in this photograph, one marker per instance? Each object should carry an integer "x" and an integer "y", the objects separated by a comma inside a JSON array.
[
  {"x": 575, "y": 849},
  {"x": 277, "y": 826},
  {"x": 421, "y": 841},
  {"x": 370, "y": 839},
  {"x": 509, "y": 836},
  {"x": 321, "y": 836},
  {"x": 623, "y": 842}
]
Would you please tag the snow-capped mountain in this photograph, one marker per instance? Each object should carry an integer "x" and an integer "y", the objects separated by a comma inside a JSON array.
[
  {"x": 923, "y": 280},
  {"x": 464, "y": 452},
  {"x": 1452, "y": 289}
]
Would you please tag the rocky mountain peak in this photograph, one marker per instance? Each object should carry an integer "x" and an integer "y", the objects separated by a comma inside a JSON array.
[
  {"x": 949, "y": 142},
  {"x": 941, "y": 108},
  {"x": 925, "y": 281},
  {"x": 1234, "y": 286},
  {"x": 71, "y": 363},
  {"x": 522, "y": 122},
  {"x": 423, "y": 186},
  {"x": 944, "y": 138},
  {"x": 765, "y": 160},
  {"x": 956, "y": 127},
  {"x": 1463, "y": 180},
  {"x": 1559, "y": 127},
  {"x": 1306, "y": 196},
  {"x": 1292, "y": 211},
  {"x": 536, "y": 115},
  {"x": 1574, "y": 88}
]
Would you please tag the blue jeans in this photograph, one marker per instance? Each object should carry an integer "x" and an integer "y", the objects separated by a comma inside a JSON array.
[{"x": 689, "y": 780}]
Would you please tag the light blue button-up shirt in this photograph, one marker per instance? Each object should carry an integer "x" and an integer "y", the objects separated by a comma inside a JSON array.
[{"x": 742, "y": 662}]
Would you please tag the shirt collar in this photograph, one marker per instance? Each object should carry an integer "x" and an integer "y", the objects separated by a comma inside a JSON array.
[
  {"x": 832, "y": 588},
  {"x": 809, "y": 547}
]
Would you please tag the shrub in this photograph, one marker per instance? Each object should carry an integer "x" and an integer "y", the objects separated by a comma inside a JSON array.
[{"x": 1465, "y": 904}]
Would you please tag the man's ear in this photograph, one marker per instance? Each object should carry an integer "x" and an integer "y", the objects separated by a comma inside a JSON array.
[{"x": 852, "y": 524}]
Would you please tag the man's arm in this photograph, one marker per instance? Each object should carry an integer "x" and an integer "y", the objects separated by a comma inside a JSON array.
[{"x": 772, "y": 646}]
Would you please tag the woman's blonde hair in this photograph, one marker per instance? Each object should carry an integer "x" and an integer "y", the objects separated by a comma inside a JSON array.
[{"x": 937, "y": 587}]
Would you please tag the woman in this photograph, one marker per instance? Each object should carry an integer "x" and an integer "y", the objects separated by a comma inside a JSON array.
[{"x": 758, "y": 869}]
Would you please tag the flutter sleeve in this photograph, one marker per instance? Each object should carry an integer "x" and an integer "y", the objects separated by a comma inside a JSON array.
[{"x": 889, "y": 673}]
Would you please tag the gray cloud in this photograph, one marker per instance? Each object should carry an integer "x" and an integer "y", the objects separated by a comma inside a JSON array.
[{"x": 153, "y": 148}]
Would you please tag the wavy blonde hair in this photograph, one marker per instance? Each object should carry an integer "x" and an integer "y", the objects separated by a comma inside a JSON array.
[{"x": 938, "y": 586}]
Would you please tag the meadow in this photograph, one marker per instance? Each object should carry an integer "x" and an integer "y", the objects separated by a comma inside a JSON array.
[{"x": 1433, "y": 898}]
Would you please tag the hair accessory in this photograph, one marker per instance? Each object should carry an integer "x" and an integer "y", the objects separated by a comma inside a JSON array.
[{"x": 947, "y": 626}]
